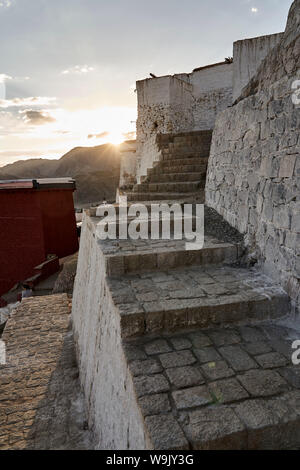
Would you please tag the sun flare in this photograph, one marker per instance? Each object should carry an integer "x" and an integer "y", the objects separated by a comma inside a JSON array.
[{"x": 115, "y": 138}]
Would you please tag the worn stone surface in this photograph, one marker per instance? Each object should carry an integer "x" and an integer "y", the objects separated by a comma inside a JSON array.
[
  {"x": 154, "y": 404},
  {"x": 187, "y": 376},
  {"x": 145, "y": 385},
  {"x": 183, "y": 300},
  {"x": 263, "y": 382},
  {"x": 215, "y": 428},
  {"x": 166, "y": 433},
  {"x": 238, "y": 359},
  {"x": 41, "y": 406},
  {"x": 253, "y": 169},
  {"x": 216, "y": 405},
  {"x": 226, "y": 391},
  {"x": 217, "y": 370},
  {"x": 271, "y": 424},
  {"x": 192, "y": 397}
]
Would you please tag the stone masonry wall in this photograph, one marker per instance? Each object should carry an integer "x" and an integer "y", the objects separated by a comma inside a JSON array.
[
  {"x": 254, "y": 166},
  {"x": 113, "y": 414},
  {"x": 164, "y": 106},
  {"x": 179, "y": 103},
  {"x": 248, "y": 55}
]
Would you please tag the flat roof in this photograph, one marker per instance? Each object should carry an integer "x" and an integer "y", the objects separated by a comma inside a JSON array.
[{"x": 39, "y": 183}]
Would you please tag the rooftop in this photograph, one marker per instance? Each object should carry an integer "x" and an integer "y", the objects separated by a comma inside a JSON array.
[{"x": 40, "y": 183}]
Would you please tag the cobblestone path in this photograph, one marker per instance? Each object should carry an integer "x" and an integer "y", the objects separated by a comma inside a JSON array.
[{"x": 41, "y": 406}]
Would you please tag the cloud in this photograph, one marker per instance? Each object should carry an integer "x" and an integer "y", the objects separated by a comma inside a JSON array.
[
  {"x": 98, "y": 136},
  {"x": 37, "y": 118},
  {"x": 27, "y": 102},
  {"x": 78, "y": 69},
  {"x": 129, "y": 135},
  {"x": 4, "y": 77},
  {"x": 5, "y": 3}
]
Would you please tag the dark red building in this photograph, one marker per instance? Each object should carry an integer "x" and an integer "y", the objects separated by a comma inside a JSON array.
[{"x": 37, "y": 219}]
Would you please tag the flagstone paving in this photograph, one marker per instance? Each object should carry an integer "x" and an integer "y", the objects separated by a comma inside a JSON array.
[
  {"x": 41, "y": 406},
  {"x": 218, "y": 388}
]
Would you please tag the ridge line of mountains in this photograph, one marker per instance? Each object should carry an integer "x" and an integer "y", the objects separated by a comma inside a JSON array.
[{"x": 95, "y": 169}]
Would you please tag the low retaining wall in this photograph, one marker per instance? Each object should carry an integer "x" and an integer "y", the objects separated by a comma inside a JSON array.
[{"x": 113, "y": 413}]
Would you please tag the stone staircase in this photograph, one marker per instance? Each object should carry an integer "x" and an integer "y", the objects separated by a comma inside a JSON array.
[
  {"x": 181, "y": 171},
  {"x": 197, "y": 327}
]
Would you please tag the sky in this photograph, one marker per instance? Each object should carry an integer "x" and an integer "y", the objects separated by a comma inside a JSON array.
[{"x": 68, "y": 67}]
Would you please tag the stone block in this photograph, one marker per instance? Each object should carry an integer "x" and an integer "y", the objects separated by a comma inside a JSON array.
[
  {"x": 251, "y": 334},
  {"x": 224, "y": 336},
  {"x": 227, "y": 391},
  {"x": 150, "y": 366},
  {"x": 271, "y": 360},
  {"x": 133, "y": 352},
  {"x": 165, "y": 433},
  {"x": 177, "y": 359},
  {"x": 217, "y": 370},
  {"x": 263, "y": 383},
  {"x": 184, "y": 377},
  {"x": 157, "y": 346},
  {"x": 200, "y": 340},
  {"x": 154, "y": 404},
  {"x": 180, "y": 343},
  {"x": 148, "y": 385},
  {"x": 287, "y": 166},
  {"x": 291, "y": 375},
  {"x": 238, "y": 359},
  {"x": 205, "y": 355},
  {"x": 215, "y": 428},
  {"x": 271, "y": 424},
  {"x": 257, "y": 347},
  {"x": 192, "y": 397}
]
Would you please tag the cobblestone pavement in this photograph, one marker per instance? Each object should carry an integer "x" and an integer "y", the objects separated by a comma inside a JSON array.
[
  {"x": 218, "y": 388},
  {"x": 41, "y": 406}
]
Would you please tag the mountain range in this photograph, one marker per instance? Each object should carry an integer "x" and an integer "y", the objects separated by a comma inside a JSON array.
[{"x": 95, "y": 169}]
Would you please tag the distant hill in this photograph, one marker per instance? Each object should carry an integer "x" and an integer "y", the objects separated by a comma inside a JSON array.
[{"x": 95, "y": 169}]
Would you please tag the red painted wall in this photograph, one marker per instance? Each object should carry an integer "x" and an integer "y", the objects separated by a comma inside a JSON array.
[
  {"x": 33, "y": 224},
  {"x": 59, "y": 222}
]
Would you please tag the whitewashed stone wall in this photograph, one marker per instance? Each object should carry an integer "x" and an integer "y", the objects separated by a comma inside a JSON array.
[
  {"x": 128, "y": 163},
  {"x": 179, "y": 103},
  {"x": 113, "y": 414},
  {"x": 164, "y": 106},
  {"x": 254, "y": 166},
  {"x": 248, "y": 55},
  {"x": 191, "y": 102}
]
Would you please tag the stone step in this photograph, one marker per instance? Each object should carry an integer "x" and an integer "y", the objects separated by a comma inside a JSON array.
[
  {"x": 216, "y": 389},
  {"x": 187, "y": 154},
  {"x": 156, "y": 196},
  {"x": 181, "y": 161},
  {"x": 168, "y": 254},
  {"x": 180, "y": 177},
  {"x": 164, "y": 220},
  {"x": 193, "y": 136},
  {"x": 185, "y": 168},
  {"x": 196, "y": 296},
  {"x": 182, "y": 187},
  {"x": 185, "y": 199},
  {"x": 199, "y": 146}
]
